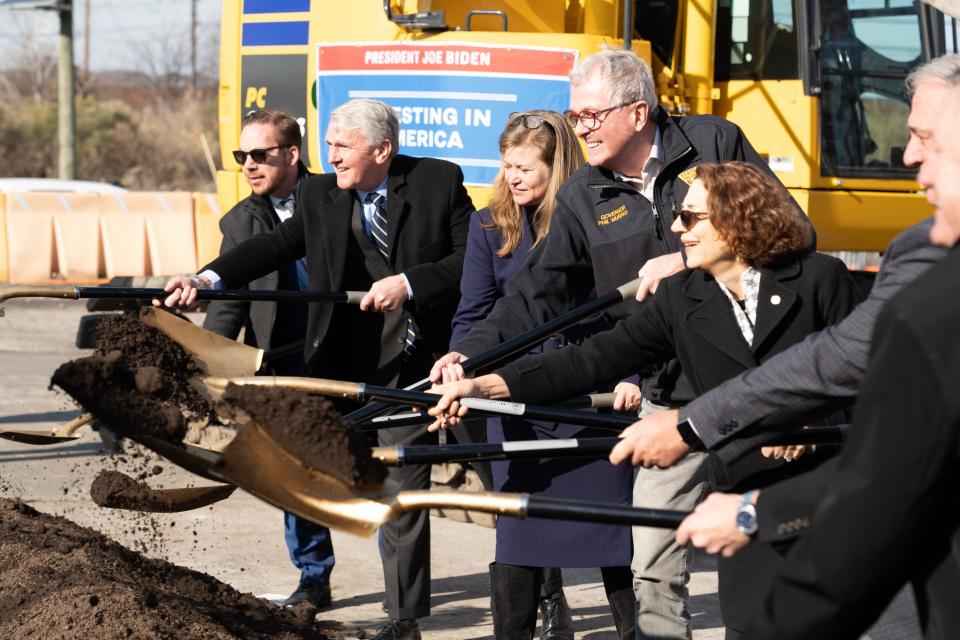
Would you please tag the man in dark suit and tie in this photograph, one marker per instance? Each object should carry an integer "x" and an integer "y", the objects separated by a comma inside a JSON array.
[
  {"x": 395, "y": 226},
  {"x": 269, "y": 156}
]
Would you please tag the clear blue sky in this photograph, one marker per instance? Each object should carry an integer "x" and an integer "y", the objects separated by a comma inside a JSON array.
[{"x": 121, "y": 31}]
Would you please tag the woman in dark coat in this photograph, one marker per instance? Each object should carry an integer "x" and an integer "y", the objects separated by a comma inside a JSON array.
[
  {"x": 750, "y": 290},
  {"x": 539, "y": 151}
]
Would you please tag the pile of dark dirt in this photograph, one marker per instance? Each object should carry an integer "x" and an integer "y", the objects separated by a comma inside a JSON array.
[
  {"x": 61, "y": 580},
  {"x": 137, "y": 381},
  {"x": 309, "y": 428}
]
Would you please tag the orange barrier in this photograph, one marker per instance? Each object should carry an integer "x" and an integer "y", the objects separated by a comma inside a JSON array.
[{"x": 81, "y": 237}]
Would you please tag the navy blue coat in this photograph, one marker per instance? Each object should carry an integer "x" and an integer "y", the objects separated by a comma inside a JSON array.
[{"x": 537, "y": 542}]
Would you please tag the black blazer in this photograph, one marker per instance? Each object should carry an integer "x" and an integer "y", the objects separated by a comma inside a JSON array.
[
  {"x": 691, "y": 319},
  {"x": 249, "y": 217},
  {"x": 428, "y": 211}
]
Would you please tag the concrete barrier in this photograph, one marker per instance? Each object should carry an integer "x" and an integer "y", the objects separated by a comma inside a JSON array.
[{"x": 79, "y": 237}]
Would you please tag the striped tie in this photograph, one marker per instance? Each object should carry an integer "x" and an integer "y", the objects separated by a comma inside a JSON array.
[{"x": 377, "y": 230}]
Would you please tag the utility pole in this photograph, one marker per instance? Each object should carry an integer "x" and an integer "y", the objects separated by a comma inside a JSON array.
[
  {"x": 193, "y": 44},
  {"x": 66, "y": 120},
  {"x": 86, "y": 39}
]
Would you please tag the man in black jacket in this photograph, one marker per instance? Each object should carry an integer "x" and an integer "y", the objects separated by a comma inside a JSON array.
[
  {"x": 269, "y": 156},
  {"x": 613, "y": 218},
  {"x": 396, "y": 226}
]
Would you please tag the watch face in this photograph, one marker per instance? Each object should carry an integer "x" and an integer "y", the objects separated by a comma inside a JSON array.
[{"x": 746, "y": 522}]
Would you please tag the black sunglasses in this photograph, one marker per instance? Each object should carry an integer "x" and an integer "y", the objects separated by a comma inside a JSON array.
[
  {"x": 259, "y": 155},
  {"x": 529, "y": 120},
  {"x": 689, "y": 218}
]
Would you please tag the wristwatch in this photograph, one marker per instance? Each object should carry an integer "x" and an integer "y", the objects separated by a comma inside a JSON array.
[
  {"x": 747, "y": 514},
  {"x": 688, "y": 435}
]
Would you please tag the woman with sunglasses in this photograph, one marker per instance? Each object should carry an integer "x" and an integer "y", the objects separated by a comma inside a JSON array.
[
  {"x": 538, "y": 153},
  {"x": 750, "y": 290}
]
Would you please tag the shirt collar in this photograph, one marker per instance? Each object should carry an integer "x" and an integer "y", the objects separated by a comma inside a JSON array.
[
  {"x": 652, "y": 165},
  {"x": 382, "y": 190}
]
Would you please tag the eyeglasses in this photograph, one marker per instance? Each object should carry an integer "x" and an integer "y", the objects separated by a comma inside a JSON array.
[
  {"x": 529, "y": 120},
  {"x": 689, "y": 218},
  {"x": 259, "y": 155},
  {"x": 591, "y": 119}
]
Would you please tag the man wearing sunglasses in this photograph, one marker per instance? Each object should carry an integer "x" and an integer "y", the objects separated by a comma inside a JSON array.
[
  {"x": 269, "y": 156},
  {"x": 613, "y": 218}
]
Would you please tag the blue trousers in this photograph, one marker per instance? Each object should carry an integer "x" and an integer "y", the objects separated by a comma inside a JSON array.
[{"x": 310, "y": 547}]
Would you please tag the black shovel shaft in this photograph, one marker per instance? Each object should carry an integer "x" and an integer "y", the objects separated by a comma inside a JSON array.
[
  {"x": 518, "y": 345},
  {"x": 518, "y": 450},
  {"x": 828, "y": 435},
  {"x": 414, "y": 418},
  {"x": 253, "y": 295},
  {"x": 582, "y": 511},
  {"x": 501, "y": 408}
]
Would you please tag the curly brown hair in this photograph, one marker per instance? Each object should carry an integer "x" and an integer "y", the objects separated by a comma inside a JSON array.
[{"x": 752, "y": 212}]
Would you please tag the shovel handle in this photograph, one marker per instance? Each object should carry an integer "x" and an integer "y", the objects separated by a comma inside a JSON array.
[
  {"x": 583, "y": 511},
  {"x": 253, "y": 295},
  {"x": 515, "y": 450}
]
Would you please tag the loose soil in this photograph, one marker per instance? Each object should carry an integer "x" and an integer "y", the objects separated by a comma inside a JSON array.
[
  {"x": 137, "y": 381},
  {"x": 61, "y": 580},
  {"x": 109, "y": 483},
  {"x": 309, "y": 428}
]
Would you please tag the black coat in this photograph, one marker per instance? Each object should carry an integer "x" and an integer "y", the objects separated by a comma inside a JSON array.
[
  {"x": 691, "y": 319},
  {"x": 892, "y": 511},
  {"x": 428, "y": 211},
  {"x": 249, "y": 217}
]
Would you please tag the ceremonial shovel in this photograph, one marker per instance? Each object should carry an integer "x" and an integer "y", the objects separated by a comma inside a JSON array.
[
  {"x": 260, "y": 466},
  {"x": 68, "y": 292},
  {"x": 63, "y": 434}
]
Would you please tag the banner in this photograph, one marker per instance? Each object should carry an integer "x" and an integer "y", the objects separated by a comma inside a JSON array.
[{"x": 452, "y": 99}]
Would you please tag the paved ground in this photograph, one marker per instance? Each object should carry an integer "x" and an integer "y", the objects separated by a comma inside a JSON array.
[{"x": 240, "y": 540}]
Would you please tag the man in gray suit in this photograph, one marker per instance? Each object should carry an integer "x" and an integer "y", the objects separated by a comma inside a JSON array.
[{"x": 269, "y": 156}]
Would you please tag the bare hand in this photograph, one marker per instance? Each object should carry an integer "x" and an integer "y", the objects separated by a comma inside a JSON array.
[
  {"x": 652, "y": 442},
  {"x": 385, "y": 294},
  {"x": 628, "y": 397},
  {"x": 713, "y": 525},
  {"x": 787, "y": 452},
  {"x": 448, "y": 411},
  {"x": 448, "y": 369},
  {"x": 654, "y": 270},
  {"x": 183, "y": 292}
]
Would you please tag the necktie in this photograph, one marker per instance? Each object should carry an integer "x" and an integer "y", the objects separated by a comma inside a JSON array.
[{"x": 377, "y": 230}]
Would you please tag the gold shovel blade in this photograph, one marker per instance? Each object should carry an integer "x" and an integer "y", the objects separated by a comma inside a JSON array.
[
  {"x": 196, "y": 460},
  {"x": 261, "y": 467},
  {"x": 61, "y": 435},
  {"x": 218, "y": 356},
  {"x": 169, "y": 500}
]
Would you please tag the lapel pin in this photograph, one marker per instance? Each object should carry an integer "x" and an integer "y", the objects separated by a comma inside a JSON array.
[{"x": 774, "y": 299}]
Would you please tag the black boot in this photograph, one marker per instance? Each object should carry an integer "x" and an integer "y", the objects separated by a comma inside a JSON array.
[
  {"x": 557, "y": 621},
  {"x": 514, "y": 592},
  {"x": 618, "y": 585},
  {"x": 623, "y": 606}
]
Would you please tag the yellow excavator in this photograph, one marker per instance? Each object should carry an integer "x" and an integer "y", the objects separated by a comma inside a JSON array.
[{"x": 817, "y": 85}]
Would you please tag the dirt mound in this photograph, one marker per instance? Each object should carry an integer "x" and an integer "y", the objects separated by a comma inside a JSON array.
[
  {"x": 137, "y": 381},
  {"x": 308, "y": 427},
  {"x": 61, "y": 580}
]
